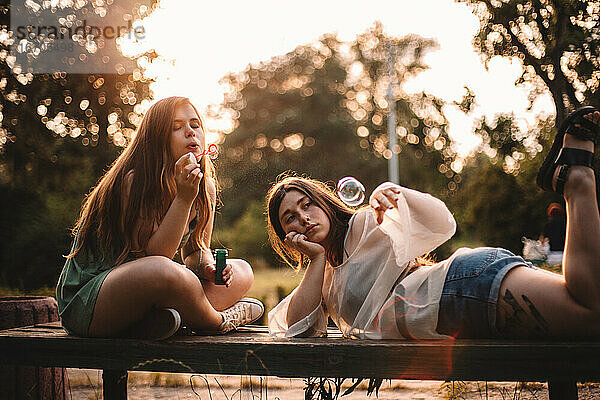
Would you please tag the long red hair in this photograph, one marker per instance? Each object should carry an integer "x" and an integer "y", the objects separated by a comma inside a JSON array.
[{"x": 108, "y": 227}]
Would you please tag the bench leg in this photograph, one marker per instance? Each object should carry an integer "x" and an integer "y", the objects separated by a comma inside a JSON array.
[
  {"x": 562, "y": 390},
  {"x": 114, "y": 384}
]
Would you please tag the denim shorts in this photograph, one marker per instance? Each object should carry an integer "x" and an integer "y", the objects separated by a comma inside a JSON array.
[{"x": 470, "y": 293}]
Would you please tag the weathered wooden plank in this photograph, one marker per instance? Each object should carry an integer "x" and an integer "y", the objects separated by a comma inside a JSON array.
[{"x": 257, "y": 353}]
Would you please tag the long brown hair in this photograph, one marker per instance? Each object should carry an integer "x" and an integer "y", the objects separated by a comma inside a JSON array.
[
  {"x": 324, "y": 197},
  {"x": 110, "y": 228}
]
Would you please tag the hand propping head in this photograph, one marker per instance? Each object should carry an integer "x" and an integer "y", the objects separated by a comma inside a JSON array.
[{"x": 300, "y": 242}]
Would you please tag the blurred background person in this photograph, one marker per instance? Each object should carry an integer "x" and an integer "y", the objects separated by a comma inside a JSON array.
[{"x": 554, "y": 233}]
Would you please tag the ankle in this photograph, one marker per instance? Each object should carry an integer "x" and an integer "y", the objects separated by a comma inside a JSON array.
[{"x": 574, "y": 142}]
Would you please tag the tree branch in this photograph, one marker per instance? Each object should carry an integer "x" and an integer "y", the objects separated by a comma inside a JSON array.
[
  {"x": 539, "y": 20},
  {"x": 562, "y": 29},
  {"x": 529, "y": 59}
]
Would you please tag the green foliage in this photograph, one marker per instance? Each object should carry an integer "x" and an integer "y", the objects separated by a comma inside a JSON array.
[
  {"x": 557, "y": 41},
  {"x": 559, "y": 46},
  {"x": 247, "y": 236},
  {"x": 321, "y": 111},
  {"x": 497, "y": 205},
  {"x": 58, "y": 134},
  {"x": 487, "y": 196}
]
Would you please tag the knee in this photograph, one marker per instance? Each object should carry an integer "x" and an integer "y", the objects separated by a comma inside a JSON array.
[
  {"x": 168, "y": 275},
  {"x": 581, "y": 178},
  {"x": 243, "y": 272},
  {"x": 158, "y": 261},
  {"x": 160, "y": 266}
]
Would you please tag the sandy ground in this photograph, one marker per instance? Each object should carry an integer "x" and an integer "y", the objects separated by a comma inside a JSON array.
[{"x": 87, "y": 384}]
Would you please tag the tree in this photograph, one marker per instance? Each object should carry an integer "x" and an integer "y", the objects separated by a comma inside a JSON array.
[
  {"x": 498, "y": 201},
  {"x": 58, "y": 133},
  {"x": 558, "y": 42},
  {"x": 321, "y": 110}
]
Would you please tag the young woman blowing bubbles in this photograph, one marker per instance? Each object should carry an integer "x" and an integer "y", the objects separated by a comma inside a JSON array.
[
  {"x": 365, "y": 273},
  {"x": 119, "y": 279}
]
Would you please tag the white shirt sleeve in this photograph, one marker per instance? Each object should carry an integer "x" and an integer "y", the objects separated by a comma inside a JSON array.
[
  {"x": 313, "y": 325},
  {"x": 418, "y": 225}
]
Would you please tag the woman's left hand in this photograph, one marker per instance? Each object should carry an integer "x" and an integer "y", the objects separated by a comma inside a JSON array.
[
  {"x": 383, "y": 200},
  {"x": 209, "y": 273}
]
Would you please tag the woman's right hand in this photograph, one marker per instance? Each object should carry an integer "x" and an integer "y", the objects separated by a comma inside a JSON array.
[
  {"x": 187, "y": 177},
  {"x": 300, "y": 242},
  {"x": 384, "y": 197}
]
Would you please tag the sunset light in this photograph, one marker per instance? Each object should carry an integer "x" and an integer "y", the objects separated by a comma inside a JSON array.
[{"x": 198, "y": 43}]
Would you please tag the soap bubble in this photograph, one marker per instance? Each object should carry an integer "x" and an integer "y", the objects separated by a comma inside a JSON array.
[{"x": 351, "y": 191}]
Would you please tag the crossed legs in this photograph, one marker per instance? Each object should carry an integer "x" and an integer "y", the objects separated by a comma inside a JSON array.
[{"x": 132, "y": 290}]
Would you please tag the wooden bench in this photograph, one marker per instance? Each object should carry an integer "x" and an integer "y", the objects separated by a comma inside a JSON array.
[{"x": 251, "y": 351}]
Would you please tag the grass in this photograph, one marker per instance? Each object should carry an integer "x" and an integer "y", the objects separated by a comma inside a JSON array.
[
  {"x": 43, "y": 291},
  {"x": 272, "y": 285}
]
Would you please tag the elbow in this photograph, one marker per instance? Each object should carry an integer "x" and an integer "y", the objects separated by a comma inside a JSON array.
[
  {"x": 292, "y": 317},
  {"x": 289, "y": 319},
  {"x": 452, "y": 227}
]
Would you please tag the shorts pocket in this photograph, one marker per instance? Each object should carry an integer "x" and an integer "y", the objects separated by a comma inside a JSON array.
[{"x": 472, "y": 264}]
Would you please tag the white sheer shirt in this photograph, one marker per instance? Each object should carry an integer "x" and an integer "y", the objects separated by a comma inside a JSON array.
[{"x": 373, "y": 293}]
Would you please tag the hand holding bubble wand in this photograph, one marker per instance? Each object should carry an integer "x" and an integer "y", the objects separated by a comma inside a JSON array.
[{"x": 212, "y": 152}]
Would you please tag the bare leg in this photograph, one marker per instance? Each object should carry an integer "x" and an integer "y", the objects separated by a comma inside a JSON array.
[
  {"x": 222, "y": 297},
  {"x": 131, "y": 290},
  {"x": 581, "y": 260},
  {"x": 539, "y": 303}
]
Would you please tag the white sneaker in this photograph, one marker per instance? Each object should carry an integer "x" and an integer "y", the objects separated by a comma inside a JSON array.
[
  {"x": 244, "y": 312},
  {"x": 161, "y": 323}
]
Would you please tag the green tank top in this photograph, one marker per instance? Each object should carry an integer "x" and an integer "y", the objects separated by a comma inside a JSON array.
[{"x": 80, "y": 281}]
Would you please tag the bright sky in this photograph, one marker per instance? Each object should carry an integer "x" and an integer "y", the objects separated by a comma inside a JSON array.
[{"x": 206, "y": 40}]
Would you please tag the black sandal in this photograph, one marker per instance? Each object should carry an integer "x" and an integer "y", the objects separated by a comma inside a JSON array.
[{"x": 559, "y": 157}]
